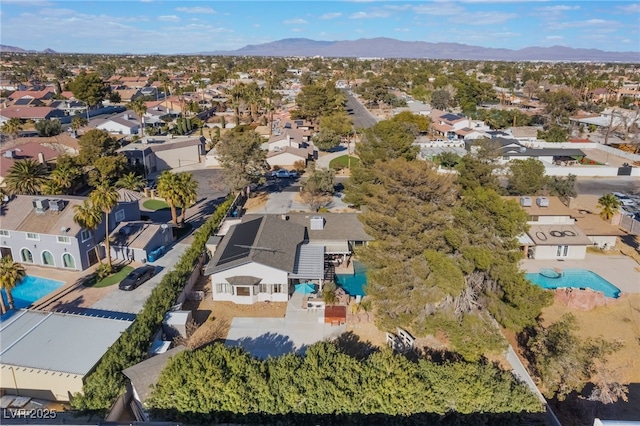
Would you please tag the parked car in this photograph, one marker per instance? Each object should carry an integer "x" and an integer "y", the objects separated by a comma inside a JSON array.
[
  {"x": 137, "y": 277},
  {"x": 282, "y": 173},
  {"x": 624, "y": 199},
  {"x": 293, "y": 173}
]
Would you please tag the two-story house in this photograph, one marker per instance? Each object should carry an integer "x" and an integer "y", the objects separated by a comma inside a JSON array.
[
  {"x": 553, "y": 233},
  {"x": 41, "y": 231}
]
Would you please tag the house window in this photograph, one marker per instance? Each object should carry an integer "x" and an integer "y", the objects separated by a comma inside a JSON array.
[
  {"x": 243, "y": 291},
  {"x": 26, "y": 255},
  {"x": 223, "y": 288},
  {"x": 533, "y": 218},
  {"x": 47, "y": 258},
  {"x": 562, "y": 251},
  {"x": 68, "y": 261},
  {"x": 119, "y": 215},
  {"x": 85, "y": 235},
  {"x": 4, "y": 233},
  {"x": 32, "y": 236},
  {"x": 64, "y": 239},
  {"x": 277, "y": 288}
]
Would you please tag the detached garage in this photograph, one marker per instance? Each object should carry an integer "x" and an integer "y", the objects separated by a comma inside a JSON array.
[{"x": 47, "y": 355}]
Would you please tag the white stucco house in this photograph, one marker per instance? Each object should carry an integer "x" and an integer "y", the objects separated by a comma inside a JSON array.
[
  {"x": 553, "y": 232},
  {"x": 126, "y": 123}
]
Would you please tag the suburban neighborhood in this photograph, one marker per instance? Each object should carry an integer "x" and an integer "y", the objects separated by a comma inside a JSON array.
[{"x": 208, "y": 239}]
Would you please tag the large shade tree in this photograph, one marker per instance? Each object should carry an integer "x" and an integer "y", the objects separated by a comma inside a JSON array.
[
  {"x": 11, "y": 273},
  {"x": 242, "y": 157},
  {"x": 105, "y": 198},
  {"x": 89, "y": 88},
  {"x": 26, "y": 177}
]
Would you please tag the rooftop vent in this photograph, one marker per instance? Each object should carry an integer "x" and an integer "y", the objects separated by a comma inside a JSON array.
[
  {"x": 317, "y": 223},
  {"x": 41, "y": 204},
  {"x": 525, "y": 201},
  {"x": 8, "y": 153},
  {"x": 56, "y": 205},
  {"x": 542, "y": 202}
]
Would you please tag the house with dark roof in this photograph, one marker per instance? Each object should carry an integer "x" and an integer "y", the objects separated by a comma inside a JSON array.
[
  {"x": 159, "y": 153},
  {"x": 512, "y": 149},
  {"x": 263, "y": 257}
]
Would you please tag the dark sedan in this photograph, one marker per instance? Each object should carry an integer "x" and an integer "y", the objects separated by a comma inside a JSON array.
[{"x": 137, "y": 277}]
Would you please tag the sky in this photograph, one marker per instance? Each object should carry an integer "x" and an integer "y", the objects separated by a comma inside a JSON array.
[{"x": 170, "y": 27}]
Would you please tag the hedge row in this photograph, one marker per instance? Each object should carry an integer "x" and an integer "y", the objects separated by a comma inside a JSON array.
[{"x": 106, "y": 382}]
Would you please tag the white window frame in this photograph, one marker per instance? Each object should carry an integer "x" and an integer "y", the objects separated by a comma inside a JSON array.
[
  {"x": 87, "y": 233},
  {"x": 120, "y": 215},
  {"x": 33, "y": 236},
  {"x": 64, "y": 239},
  {"x": 562, "y": 251},
  {"x": 4, "y": 233}
]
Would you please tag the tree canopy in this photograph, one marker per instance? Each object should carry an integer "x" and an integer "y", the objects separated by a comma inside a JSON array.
[
  {"x": 241, "y": 157},
  {"x": 94, "y": 144},
  {"x": 317, "y": 100},
  {"x": 526, "y": 177},
  {"x": 89, "y": 88}
]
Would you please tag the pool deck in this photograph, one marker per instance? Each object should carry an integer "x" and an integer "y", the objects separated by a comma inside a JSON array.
[{"x": 618, "y": 270}]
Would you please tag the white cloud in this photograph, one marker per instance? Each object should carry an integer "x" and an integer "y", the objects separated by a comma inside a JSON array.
[
  {"x": 559, "y": 8},
  {"x": 28, "y": 3},
  {"x": 487, "y": 18},
  {"x": 369, "y": 15},
  {"x": 554, "y": 37},
  {"x": 331, "y": 15},
  {"x": 582, "y": 24},
  {"x": 56, "y": 12},
  {"x": 296, "y": 30},
  {"x": 402, "y": 30},
  {"x": 295, "y": 21},
  {"x": 196, "y": 9},
  {"x": 168, "y": 18},
  {"x": 438, "y": 9},
  {"x": 630, "y": 8}
]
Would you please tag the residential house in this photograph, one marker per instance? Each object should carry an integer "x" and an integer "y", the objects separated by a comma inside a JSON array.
[
  {"x": 287, "y": 157},
  {"x": 160, "y": 153},
  {"x": 525, "y": 134},
  {"x": 602, "y": 234},
  {"x": 40, "y": 95},
  {"x": 263, "y": 256},
  {"x": 512, "y": 149},
  {"x": 35, "y": 113},
  {"x": 24, "y": 151},
  {"x": 41, "y": 231},
  {"x": 126, "y": 123},
  {"x": 128, "y": 95},
  {"x": 553, "y": 232},
  {"x": 47, "y": 355},
  {"x": 444, "y": 124},
  {"x": 133, "y": 241}
]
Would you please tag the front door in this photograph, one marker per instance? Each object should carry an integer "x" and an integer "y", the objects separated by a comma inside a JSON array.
[{"x": 6, "y": 252}]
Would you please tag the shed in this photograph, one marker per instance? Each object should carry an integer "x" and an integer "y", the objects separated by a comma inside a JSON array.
[{"x": 175, "y": 324}]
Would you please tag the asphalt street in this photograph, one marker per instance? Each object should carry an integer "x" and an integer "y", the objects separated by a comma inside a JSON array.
[
  {"x": 362, "y": 118},
  {"x": 602, "y": 185}
]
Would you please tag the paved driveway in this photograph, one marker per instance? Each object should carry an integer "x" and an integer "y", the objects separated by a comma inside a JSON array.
[{"x": 132, "y": 301}]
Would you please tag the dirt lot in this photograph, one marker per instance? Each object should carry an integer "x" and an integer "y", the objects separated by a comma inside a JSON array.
[
  {"x": 619, "y": 321},
  {"x": 257, "y": 201}
]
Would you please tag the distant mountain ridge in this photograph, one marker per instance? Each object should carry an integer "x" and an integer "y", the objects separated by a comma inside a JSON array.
[
  {"x": 383, "y": 47},
  {"x": 14, "y": 49}
]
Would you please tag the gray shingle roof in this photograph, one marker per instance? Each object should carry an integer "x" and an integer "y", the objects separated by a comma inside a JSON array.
[
  {"x": 145, "y": 374},
  {"x": 267, "y": 240}
]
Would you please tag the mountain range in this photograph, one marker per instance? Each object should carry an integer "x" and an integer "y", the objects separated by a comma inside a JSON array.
[
  {"x": 391, "y": 48},
  {"x": 14, "y": 49}
]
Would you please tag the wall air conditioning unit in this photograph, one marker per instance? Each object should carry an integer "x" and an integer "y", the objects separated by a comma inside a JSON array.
[
  {"x": 56, "y": 205},
  {"x": 542, "y": 202}
]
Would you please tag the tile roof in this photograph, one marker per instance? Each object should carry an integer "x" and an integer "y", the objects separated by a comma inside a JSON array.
[{"x": 29, "y": 150}]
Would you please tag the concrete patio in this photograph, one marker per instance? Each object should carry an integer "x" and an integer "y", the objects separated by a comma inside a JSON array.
[
  {"x": 265, "y": 337},
  {"x": 618, "y": 270}
]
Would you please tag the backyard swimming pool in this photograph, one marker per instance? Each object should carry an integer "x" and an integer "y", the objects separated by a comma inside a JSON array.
[
  {"x": 353, "y": 284},
  {"x": 31, "y": 289},
  {"x": 573, "y": 278}
]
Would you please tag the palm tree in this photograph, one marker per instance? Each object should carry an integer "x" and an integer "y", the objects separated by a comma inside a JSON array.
[
  {"x": 188, "y": 188},
  {"x": 26, "y": 177},
  {"x": 105, "y": 198},
  {"x": 140, "y": 109},
  {"x": 169, "y": 189},
  {"x": 77, "y": 122},
  {"x": 64, "y": 176},
  {"x": 87, "y": 216},
  {"x": 12, "y": 127},
  {"x": 131, "y": 181},
  {"x": 609, "y": 204},
  {"x": 11, "y": 273}
]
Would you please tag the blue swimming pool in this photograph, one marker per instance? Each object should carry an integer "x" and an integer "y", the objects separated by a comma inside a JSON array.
[
  {"x": 31, "y": 289},
  {"x": 353, "y": 284},
  {"x": 573, "y": 278}
]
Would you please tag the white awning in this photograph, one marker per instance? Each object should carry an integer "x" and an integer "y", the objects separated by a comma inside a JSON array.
[{"x": 525, "y": 240}]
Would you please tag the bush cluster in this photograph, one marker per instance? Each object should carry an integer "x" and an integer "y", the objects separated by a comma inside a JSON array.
[{"x": 106, "y": 382}]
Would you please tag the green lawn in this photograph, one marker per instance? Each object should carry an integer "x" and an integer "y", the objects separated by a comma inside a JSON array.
[
  {"x": 155, "y": 205},
  {"x": 113, "y": 278},
  {"x": 342, "y": 162}
]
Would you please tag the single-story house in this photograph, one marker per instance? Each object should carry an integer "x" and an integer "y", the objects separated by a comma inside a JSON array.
[
  {"x": 261, "y": 259},
  {"x": 135, "y": 240},
  {"x": 159, "y": 153},
  {"x": 30, "y": 150},
  {"x": 602, "y": 234},
  {"x": 47, "y": 355},
  {"x": 35, "y": 113},
  {"x": 126, "y": 123},
  {"x": 287, "y": 157}
]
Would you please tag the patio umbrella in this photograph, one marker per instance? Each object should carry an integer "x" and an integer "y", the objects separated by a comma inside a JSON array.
[{"x": 305, "y": 288}]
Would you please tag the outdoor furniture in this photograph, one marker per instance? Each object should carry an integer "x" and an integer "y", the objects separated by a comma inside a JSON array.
[{"x": 335, "y": 315}]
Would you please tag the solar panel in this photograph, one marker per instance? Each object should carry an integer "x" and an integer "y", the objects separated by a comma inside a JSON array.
[
  {"x": 240, "y": 241},
  {"x": 23, "y": 101},
  {"x": 451, "y": 117}
]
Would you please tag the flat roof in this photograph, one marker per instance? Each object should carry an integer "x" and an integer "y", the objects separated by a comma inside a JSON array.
[
  {"x": 558, "y": 235},
  {"x": 555, "y": 207},
  {"x": 53, "y": 341},
  {"x": 592, "y": 224}
]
